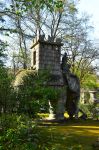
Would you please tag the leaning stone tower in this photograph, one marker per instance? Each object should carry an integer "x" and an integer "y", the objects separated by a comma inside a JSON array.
[{"x": 46, "y": 55}]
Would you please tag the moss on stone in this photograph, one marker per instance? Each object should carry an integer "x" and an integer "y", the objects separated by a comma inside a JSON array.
[{"x": 22, "y": 75}]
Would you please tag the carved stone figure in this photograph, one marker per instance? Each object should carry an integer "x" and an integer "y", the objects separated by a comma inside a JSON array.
[
  {"x": 45, "y": 55},
  {"x": 73, "y": 88},
  {"x": 73, "y": 94}
]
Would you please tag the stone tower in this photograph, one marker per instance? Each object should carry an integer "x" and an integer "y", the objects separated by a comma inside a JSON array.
[{"x": 46, "y": 55}]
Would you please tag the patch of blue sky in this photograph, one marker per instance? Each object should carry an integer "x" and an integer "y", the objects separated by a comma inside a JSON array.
[{"x": 91, "y": 7}]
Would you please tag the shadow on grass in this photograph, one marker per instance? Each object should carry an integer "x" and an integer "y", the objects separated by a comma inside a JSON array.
[
  {"x": 68, "y": 141},
  {"x": 70, "y": 135},
  {"x": 68, "y": 122}
]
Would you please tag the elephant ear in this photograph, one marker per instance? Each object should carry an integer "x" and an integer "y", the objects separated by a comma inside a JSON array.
[{"x": 73, "y": 83}]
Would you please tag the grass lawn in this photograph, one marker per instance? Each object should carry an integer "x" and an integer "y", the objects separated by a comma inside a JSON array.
[{"x": 71, "y": 135}]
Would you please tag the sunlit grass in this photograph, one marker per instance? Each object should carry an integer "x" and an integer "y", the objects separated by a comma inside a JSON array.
[
  {"x": 75, "y": 135},
  {"x": 45, "y": 115}
]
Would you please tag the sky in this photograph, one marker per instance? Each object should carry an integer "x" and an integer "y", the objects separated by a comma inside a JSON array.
[{"x": 92, "y": 9}]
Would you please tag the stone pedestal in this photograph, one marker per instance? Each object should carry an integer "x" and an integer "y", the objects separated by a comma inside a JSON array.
[
  {"x": 92, "y": 96},
  {"x": 61, "y": 105},
  {"x": 57, "y": 110},
  {"x": 52, "y": 114}
]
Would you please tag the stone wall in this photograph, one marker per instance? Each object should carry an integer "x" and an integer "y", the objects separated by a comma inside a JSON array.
[
  {"x": 47, "y": 57},
  {"x": 35, "y": 49}
]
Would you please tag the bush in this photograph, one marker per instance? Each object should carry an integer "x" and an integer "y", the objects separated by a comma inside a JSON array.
[
  {"x": 33, "y": 93},
  {"x": 18, "y": 132},
  {"x": 91, "y": 110},
  {"x": 6, "y": 92}
]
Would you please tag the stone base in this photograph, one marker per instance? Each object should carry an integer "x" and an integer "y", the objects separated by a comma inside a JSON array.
[
  {"x": 60, "y": 116},
  {"x": 51, "y": 117}
]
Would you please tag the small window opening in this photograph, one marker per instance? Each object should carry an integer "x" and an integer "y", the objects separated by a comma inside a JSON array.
[{"x": 34, "y": 58}]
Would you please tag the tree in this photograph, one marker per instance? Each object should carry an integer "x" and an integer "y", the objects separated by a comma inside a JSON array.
[
  {"x": 15, "y": 28},
  {"x": 89, "y": 80},
  {"x": 2, "y": 44},
  {"x": 26, "y": 17},
  {"x": 81, "y": 50},
  {"x": 2, "y": 50},
  {"x": 5, "y": 80}
]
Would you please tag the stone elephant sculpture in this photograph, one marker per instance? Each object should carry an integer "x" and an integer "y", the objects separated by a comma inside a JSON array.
[{"x": 72, "y": 93}]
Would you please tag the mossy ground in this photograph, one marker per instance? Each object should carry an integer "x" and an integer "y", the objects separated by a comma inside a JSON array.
[
  {"x": 24, "y": 133},
  {"x": 70, "y": 135}
]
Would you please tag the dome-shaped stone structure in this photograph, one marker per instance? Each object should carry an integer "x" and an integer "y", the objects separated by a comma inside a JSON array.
[{"x": 24, "y": 76}]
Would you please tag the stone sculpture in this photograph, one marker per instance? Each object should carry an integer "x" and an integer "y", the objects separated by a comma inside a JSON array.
[
  {"x": 73, "y": 87},
  {"x": 46, "y": 55}
]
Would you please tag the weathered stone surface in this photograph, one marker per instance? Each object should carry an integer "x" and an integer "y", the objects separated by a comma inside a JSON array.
[
  {"x": 47, "y": 55},
  {"x": 48, "y": 58},
  {"x": 73, "y": 88}
]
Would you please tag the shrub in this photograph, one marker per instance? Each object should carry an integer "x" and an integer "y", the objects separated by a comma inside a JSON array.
[
  {"x": 90, "y": 109},
  {"x": 6, "y": 92},
  {"x": 33, "y": 93},
  {"x": 18, "y": 132}
]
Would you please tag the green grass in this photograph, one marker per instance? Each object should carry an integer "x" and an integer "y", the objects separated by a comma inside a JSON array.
[
  {"x": 19, "y": 132},
  {"x": 75, "y": 135}
]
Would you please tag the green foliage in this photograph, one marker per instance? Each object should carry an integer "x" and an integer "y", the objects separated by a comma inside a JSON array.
[
  {"x": 30, "y": 94},
  {"x": 85, "y": 109},
  {"x": 6, "y": 91},
  {"x": 33, "y": 93},
  {"x": 3, "y": 45},
  {"x": 5, "y": 82},
  {"x": 18, "y": 132},
  {"x": 27, "y": 4},
  {"x": 51, "y": 5},
  {"x": 92, "y": 110},
  {"x": 88, "y": 78},
  {"x": 90, "y": 81},
  {"x": 2, "y": 50}
]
